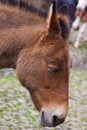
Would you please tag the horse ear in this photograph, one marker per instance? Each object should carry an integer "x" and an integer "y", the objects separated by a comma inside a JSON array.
[
  {"x": 63, "y": 18},
  {"x": 63, "y": 10},
  {"x": 52, "y": 21}
]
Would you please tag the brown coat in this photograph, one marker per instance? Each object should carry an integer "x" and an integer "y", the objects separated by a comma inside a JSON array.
[{"x": 38, "y": 49}]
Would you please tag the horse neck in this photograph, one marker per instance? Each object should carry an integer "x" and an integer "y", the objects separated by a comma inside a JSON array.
[
  {"x": 15, "y": 18},
  {"x": 21, "y": 30}
]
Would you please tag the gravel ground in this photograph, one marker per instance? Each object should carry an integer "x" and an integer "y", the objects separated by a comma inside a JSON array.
[{"x": 18, "y": 113}]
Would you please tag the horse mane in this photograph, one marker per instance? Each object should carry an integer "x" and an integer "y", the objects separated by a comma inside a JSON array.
[
  {"x": 27, "y": 7},
  {"x": 32, "y": 8}
]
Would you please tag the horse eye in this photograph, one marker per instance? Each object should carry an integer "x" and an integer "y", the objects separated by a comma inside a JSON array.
[{"x": 52, "y": 70}]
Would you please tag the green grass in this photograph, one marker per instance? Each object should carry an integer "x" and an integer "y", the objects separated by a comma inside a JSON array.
[
  {"x": 18, "y": 112},
  {"x": 77, "y": 116}
]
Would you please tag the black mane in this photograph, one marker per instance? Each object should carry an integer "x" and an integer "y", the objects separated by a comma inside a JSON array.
[
  {"x": 26, "y": 6},
  {"x": 32, "y": 8}
]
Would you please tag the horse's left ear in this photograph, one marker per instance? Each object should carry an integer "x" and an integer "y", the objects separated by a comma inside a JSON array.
[{"x": 63, "y": 17}]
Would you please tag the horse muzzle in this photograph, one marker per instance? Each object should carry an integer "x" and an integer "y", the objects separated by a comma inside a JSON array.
[{"x": 52, "y": 118}]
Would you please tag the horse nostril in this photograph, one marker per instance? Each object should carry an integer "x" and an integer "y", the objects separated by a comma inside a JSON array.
[
  {"x": 48, "y": 119},
  {"x": 57, "y": 120},
  {"x": 42, "y": 115}
]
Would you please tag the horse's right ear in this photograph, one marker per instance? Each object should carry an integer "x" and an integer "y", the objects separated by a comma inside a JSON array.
[
  {"x": 63, "y": 13},
  {"x": 63, "y": 10},
  {"x": 63, "y": 17}
]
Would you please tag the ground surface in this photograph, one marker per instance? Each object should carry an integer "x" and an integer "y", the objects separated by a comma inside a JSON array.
[{"x": 17, "y": 111}]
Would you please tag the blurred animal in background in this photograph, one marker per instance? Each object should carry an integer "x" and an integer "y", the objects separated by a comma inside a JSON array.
[{"x": 80, "y": 22}]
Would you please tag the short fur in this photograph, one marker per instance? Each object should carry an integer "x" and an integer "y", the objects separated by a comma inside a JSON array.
[{"x": 40, "y": 55}]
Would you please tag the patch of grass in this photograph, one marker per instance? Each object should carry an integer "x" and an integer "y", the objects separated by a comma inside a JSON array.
[
  {"x": 17, "y": 111},
  {"x": 77, "y": 103}
]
